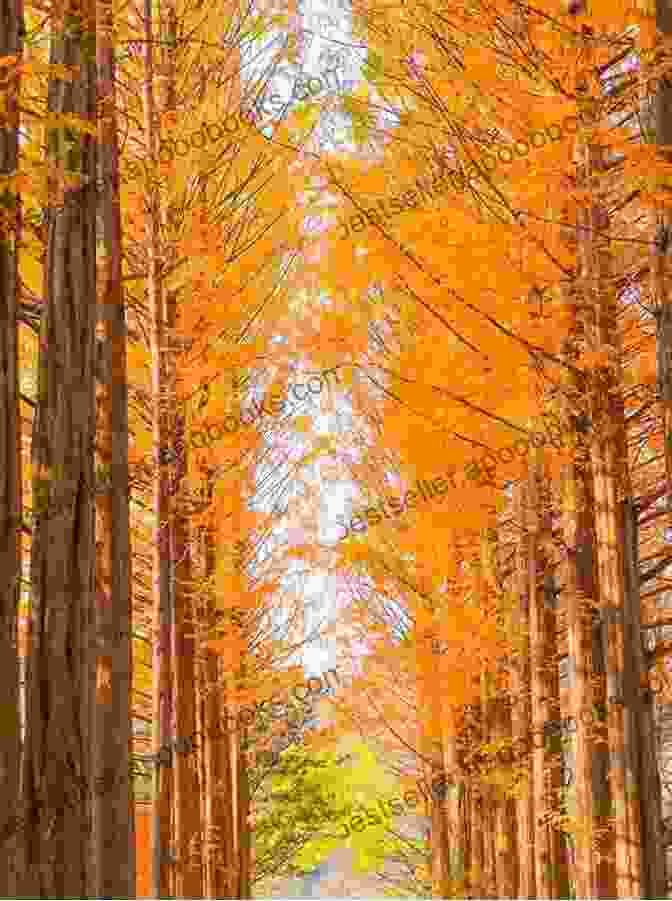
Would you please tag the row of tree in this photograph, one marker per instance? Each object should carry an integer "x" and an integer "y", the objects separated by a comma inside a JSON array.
[
  {"x": 542, "y": 290},
  {"x": 124, "y": 300}
]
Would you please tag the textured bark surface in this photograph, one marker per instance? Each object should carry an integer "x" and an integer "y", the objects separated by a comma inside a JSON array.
[
  {"x": 245, "y": 846},
  {"x": 430, "y": 740},
  {"x": 489, "y": 885},
  {"x": 214, "y": 787},
  {"x": 113, "y": 826},
  {"x": 655, "y": 864},
  {"x": 57, "y": 769},
  {"x": 550, "y": 873},
  {"x": 454, "y": 809},
  {"x": 476, "y": 844},
  {"x": 640, "y": 701},
  {"x": 185, "y": 773},
  {"x": 609, "y": 463},
  {"x": 11, "y": 18},
  {"x": 440, "y": 848},
  {"x": 506, "y": 848},
  {"x": 660, "y": 256},
  {"x": 161, "y": 587},
  {"x": 243, "y": 843},
  {"x": 521, "y": 710},
  {"x": 577, "y": 595},
  {"x": 218, "y": 802}
]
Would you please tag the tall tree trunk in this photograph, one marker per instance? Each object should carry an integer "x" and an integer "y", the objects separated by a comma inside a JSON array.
[
  {"x": 185, "y": 773},
  {"x": 551, "y": 872},
  {"x": 244, "y": 844},
  {"x": 228, "y": 807},
  {"x": 662, "y": 307},
  {"x": 489, "y": 884},
  {"x": 640, "y": 700},
  {"x": 218, "y": 807},
  {"x": 439, "y": 844},
  {"x": 11, "y": 836},
  {"x": 476, "y": 843},
  {"x": 162, "y": 596},
  {"x": 608, "y": 454},
  {"x": 521, "y": 710},
  {"x": 660, "y": 257},
  {"x": 57, "y": 767},
  {"x": 507, "y": 851},
  {"x": 113, "y": 821},
  {"x": 430, "y": 732},
  {"x": 241, "y": 789},
  {"x": 593, "y": 871},
  {"x": 454, "y": 807},
  {"x": 577, "y": 595},
  {"x": 215, "y": 786}
]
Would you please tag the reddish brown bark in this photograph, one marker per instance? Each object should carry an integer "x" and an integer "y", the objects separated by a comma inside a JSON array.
[
  {"x": 11, "y": 838},
  {"x": 551, "y": 871},
  {"x": 217, "y": 807},
  {"x": 57, "y": 765},
  {"x": 521, "y": 710},
  {"x": 185, "y": 772},
  {"x": 161, "y": 589},
  {"x": 608, "y": 456},
  {"x": 113, "y": 826},
  {"x": 476, "y": 860},
  {"x": 577, "y": 596}
]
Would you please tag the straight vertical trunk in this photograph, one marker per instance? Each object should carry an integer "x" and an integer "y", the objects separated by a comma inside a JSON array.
[
  {"x": 507, "y": 852},
  {"x": 604, "y": 841},
  {"x": 660, "y": 293},
  {"x": 489, "y": 884},
  {"x": 440, "y": 846},
  {"x": 11, "y": 836},
  {"x": 241, "y": 791},
  {"x": 476, "y": 844},
  {"x": 162, "y": 598},
  {"x": 57, "y": 766},
  {"x": 430, "y": 710},
  {"x": 217, "y": 810},
  {"x": 243, "y": 827},
  {"x": 660, "y": 250},
  {"x": 113, "y": 822},
  {"x": 520, "y": 709},
  {"x": 577, "y": 596},
  {"x": 640, "y": 700},
  {"x": 608, "y": 455},
  {"x": 215, "y": 785},
  {"x": 453, "y": 804},
  {"x": 236, "y": 828},
  {"x": 594, "y": 872},
  {"x": 227, "y": 811},
  {"x": 542, "y": 843},
  {"x": 622, "y": 736},
  {"x": 185, "y": 773},
  {"x": 551, "y": 872}
]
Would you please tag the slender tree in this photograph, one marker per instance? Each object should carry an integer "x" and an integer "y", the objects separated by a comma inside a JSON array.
[
  {"x": 11, "y": 27},
  {"x": 186, "y": 820},
  {"x": 113, "y": 822},
  {"x": 521, "y": 711},
  {"x": 161, "y": 587}
]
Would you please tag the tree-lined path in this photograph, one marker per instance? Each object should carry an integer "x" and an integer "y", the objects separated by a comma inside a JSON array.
[{"x": 335, "y": 449}]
